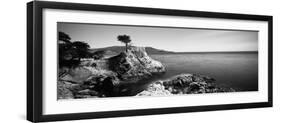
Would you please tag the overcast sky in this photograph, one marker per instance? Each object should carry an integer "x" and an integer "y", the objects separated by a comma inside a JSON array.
[{"x": 171, "y": 39}]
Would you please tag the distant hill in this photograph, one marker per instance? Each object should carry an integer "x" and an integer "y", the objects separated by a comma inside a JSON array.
[{"x": 117, "y": 49}]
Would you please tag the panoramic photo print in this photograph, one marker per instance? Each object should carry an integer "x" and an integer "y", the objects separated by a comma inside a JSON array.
[{"x": 102, "y": 60}]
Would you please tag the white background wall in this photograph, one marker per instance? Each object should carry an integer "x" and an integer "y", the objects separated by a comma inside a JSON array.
[{"x": 13, "y": 61}]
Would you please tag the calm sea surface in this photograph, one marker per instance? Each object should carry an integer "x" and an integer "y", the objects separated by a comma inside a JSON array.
[{"x": 233, "y": 70}]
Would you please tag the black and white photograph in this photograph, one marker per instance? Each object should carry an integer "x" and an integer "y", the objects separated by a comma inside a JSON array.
[
  {"x": 94, "y": 60},
  {"x": 107, "y": 60}
]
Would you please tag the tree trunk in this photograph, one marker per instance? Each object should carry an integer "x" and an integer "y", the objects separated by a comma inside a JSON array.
[{"x": 126, "y": 47}]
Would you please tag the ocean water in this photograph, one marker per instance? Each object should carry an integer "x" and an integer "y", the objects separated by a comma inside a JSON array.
[{"x": 233, "y": 70}]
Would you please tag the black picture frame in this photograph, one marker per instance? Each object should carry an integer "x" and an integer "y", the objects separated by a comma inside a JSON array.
[{"x": 34, "y": 60}]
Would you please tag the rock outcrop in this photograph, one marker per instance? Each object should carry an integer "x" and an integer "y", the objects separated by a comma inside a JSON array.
[
  {"x": 135, "y": 64},
  {"x": 184, "y": 84},
  {"x": 155, "y": 89},
  {"x": 102, "y": 78},
  {"x": 64, "y": 91}
]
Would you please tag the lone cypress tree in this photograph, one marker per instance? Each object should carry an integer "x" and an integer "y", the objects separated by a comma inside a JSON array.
[{"x": 124, "y": 39}]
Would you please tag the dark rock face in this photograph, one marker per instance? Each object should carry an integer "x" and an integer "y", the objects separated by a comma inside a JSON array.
[
  {"x": 185, "y": 84},
  {"x": 102, "y": 78}
]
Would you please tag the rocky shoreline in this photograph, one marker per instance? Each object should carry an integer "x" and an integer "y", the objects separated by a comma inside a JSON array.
[
  {"x": 184, "y": 84},
  {"x": 107, "y": 77}
]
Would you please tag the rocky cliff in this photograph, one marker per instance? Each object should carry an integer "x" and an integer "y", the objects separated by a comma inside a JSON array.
[
  {"x": 135, "y": 64},
  {"x": 102, "y": 78}
]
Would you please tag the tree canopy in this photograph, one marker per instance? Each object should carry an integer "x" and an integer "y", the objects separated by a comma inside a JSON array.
[
  {"x": 81, "y": 48},
  {"x": 64, "y": 37},
  {"x": 70, "y": 53}
]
